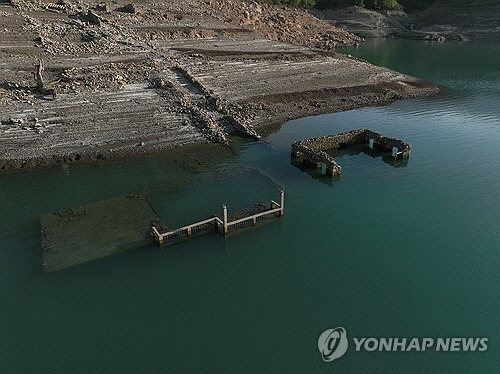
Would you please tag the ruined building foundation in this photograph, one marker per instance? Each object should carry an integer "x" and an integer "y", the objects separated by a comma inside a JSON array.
[{"x": 313, "y": 151}]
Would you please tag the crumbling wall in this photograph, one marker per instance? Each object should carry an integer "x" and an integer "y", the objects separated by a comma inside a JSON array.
[
  {"x": 385, "y": 143},
  {"x": 316, "y": 158},
  {"x": 312, "y": 151},
  {"x": 341, "y": 140},
  {"x": 233, "y": 112}
]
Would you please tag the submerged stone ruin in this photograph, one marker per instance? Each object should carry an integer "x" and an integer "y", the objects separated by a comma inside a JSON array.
[
  {"x": 80, "y": 234},
  {"x": 313, "y": 151},
  {"x": 77, "y": 235}
]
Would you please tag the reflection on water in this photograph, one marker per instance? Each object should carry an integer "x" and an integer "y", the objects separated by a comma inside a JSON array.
[
  {"x": 358, "y": 149},
  {"x": 349, "y": 151},
  {"x": 315, "y": 173}
]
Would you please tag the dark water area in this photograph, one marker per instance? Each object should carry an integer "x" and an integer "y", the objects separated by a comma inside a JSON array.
[{"x": 384, "y": 251}]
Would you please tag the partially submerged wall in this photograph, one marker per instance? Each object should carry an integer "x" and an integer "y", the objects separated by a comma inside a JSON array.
[
  {"x": 385, "y": 143},
  {"x": 313, "y": 151}
]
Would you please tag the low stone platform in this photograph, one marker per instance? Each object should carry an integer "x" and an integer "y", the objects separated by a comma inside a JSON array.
[
  {"x": 77, "y": 235},
  {"x": 313, "y": 151}
]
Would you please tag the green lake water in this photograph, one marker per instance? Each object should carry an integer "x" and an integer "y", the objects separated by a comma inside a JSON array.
[{"x": 410, "y": 251}]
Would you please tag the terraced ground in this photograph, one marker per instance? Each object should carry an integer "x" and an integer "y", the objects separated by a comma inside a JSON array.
[{"x": 145, "y": 77}]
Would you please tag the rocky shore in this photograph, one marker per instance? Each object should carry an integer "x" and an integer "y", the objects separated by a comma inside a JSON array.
[
  {"x": 136, "y": 77},
  {"x": 443, "y": 20}
]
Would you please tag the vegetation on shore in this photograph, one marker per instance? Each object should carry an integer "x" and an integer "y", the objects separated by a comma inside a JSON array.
[{"x": 369, "y": 4}]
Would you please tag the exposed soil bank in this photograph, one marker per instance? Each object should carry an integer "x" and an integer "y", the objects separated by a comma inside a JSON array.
[
  {"x": 140, "y": 78},
  {"x": 443, "y": 20}
]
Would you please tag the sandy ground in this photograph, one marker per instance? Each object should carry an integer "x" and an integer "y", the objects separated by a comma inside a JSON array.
[{"x": 140, "y": 77}]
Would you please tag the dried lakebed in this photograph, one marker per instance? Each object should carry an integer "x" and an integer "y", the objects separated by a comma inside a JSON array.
[
  {"x": 207, "y": 99},
  {"x": 145, "y": 95}
]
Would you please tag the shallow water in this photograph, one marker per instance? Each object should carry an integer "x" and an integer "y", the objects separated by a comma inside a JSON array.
[{"x": 384, "y": 251}]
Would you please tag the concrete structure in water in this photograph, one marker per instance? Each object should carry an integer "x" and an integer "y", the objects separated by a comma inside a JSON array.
[
  {"x": 313, "y": 151},
  {"x": 222, "y": 226},
  {"x": 77, "y": 235}
]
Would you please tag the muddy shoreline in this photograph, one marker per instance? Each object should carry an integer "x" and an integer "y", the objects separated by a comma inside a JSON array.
[
  {"x": 144, "y": 80},
  {"x": 329, "y": 103}
]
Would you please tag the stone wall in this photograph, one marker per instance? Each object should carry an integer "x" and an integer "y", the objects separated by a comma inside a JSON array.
[
  {"x": 312, "y": 151},
  {"x": 315, "y": 158},
  {"x": 384, "y": 143}
]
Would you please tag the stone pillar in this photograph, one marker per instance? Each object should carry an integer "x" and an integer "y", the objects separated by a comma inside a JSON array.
[
  {"x": 224, "y": 228},
  {"x": 282, "y": 202},
  {"x": 157, "y": 236}
]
